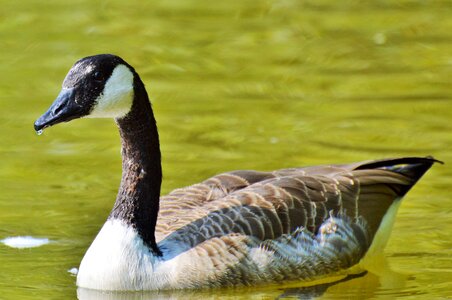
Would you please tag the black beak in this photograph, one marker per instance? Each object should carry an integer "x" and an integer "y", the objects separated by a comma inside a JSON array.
[{"x": 63, "y": 109}]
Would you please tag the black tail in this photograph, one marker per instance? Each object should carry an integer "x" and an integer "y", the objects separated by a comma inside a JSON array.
[{"x": 411, "y": 167}]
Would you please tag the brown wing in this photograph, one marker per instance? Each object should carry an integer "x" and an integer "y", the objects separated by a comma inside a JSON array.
[
  {"x": 176, "y": 207},
  {"x": 269, "y": 204}
]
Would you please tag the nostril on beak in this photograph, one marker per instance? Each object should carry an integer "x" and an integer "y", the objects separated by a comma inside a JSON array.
[{"x": 57, "y": 109}]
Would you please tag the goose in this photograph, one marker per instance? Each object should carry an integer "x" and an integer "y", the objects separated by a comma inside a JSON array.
[{"x": 238, "y": 228}]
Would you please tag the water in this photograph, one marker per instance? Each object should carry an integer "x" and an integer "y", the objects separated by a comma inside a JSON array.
[{"x": 234, "y": 85}]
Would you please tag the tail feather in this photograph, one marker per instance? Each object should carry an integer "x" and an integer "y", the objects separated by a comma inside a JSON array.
[
  {"x": 408, "y": 171},
  {"x": 412, "y": 168}
]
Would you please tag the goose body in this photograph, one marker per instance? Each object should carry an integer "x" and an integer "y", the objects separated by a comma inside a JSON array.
[{"x": 236, "y": 228}]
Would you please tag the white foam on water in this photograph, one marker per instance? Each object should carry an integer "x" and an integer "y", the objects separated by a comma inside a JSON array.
[
  {"x": 73, "y": 271},
  {"x": 21, "y": 242}
]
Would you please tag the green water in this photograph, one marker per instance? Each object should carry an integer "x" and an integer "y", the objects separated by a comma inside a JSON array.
[{"x": 234, "y": 85}]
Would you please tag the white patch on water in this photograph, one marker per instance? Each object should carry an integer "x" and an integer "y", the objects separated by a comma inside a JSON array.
[
  {"x": 73, "y": 271},
  {"x": 22, "y": 242}
]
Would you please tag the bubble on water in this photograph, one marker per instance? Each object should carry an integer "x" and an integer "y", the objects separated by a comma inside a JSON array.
[
  {"x": 24, "y": 242},
  {"x": 274, "y": 140},
  {"x": 73, "y": 271},
  {"x": 379, "y": 38},
  {"x": 39, "y": 132}
]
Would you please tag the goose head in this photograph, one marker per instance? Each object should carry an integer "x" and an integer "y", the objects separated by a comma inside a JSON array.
[{"x": 99, "y": 86}]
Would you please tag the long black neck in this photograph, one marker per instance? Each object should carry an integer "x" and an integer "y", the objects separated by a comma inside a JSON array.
[{"x": 137, "y": 202}]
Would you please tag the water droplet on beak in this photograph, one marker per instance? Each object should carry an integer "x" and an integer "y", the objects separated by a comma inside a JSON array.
[{"x": 39, "y": 132}]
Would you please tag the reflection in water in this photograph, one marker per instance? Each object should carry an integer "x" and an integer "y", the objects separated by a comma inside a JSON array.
[
  {"x": 303, "y": 292},
  {"x": 377, "y": 279},
  {"x": 388, "y": 279},
  {"x": 311, "y": 292}
]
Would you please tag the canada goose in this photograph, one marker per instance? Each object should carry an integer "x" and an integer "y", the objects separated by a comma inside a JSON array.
[{"x": 236, "y": 228}]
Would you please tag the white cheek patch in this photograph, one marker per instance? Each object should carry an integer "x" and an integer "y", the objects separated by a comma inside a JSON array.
[{"x": 117, "y": 96}]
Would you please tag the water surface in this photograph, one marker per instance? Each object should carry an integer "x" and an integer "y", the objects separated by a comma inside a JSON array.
[{"x": 234, "y": 85}]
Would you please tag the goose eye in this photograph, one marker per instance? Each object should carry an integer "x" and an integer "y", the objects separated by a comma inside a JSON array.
[{"x": 97, "y": 76}]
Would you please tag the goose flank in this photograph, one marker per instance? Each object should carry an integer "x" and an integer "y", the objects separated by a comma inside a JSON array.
[{"x": 236, "y": 228}]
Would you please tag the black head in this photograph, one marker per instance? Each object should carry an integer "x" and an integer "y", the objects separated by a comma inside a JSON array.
[{"x": 96, "y": 86}]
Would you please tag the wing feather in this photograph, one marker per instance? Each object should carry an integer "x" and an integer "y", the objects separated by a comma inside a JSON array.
[{"x": 267, "y": 205}]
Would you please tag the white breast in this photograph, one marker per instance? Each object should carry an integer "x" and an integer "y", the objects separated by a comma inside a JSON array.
[
  {"x": 119, "y": 260},
  {"x": 116, "y": 260}
]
